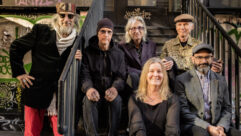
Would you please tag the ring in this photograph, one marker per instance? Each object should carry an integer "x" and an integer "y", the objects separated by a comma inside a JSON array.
[{"x": 24, "y": 80}]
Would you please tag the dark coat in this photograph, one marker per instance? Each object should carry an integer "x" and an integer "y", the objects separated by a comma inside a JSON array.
[
  {"x": 133, "y": 63},
  {"x": 93, "y": 74},
  {"x": 189, "y": 89},
  {"x": 47, "y": 64}
]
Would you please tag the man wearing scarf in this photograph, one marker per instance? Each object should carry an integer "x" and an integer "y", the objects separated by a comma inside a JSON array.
[{"x": 50, "y": 47}]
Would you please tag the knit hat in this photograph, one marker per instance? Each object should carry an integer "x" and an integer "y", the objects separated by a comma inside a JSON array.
[
  {"x": 184, "y": 18},
  {"x": 202, "y": 46},
  {"x": 65, "y": 7},
  {"x": 105, "y": 22}
]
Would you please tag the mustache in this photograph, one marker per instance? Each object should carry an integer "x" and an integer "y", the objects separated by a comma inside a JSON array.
[{"x": 204, "y": 64}]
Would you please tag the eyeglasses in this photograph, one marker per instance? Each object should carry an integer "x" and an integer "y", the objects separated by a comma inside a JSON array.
[
  {"x": 138, "y": 28},
  {"x": 201, "y": 57},
  {"x": 70, "y": 16},
  {"x": 104, "y": 32}
]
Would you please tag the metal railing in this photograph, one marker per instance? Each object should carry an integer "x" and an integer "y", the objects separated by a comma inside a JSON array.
[
  {"x": 68, "y": 84},
  {"x": 209, "y": 31}
]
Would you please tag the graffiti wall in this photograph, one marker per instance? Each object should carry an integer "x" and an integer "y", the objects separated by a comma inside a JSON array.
[
  {"x": 45, "y": 3},
  {"x": 11, "y": 108}
]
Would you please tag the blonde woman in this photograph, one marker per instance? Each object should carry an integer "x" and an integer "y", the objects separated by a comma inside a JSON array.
[{"x": 153, "y": 110}]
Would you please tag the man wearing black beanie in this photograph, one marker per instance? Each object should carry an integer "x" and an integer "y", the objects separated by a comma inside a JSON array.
[{"x": 103, "y": 73}]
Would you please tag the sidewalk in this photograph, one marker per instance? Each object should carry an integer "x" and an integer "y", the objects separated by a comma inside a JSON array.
[{"x": 19, "y": 133}]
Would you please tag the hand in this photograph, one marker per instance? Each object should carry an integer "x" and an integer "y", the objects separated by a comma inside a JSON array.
[
  {"x": 221, "y": 131},
  {"x": 78, "y": 55},
  {"x": 93, "y": 95},
  {"x": 167, "y": 64},
  {"x": 25, "y": 80},
  {"x": 213, "y": 131},
  {"x": 217, "y": 66},
  {"x": 111, "y": 94}
]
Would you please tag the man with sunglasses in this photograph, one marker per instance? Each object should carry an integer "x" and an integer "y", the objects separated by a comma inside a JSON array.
[
  {"x": 102, "y": 76},
  {"x": 204, "y": 98},
  {"x": 50, "y": 47}
]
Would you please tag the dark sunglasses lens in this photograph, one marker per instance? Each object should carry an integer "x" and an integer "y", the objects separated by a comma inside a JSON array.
[
  {"x": 70, "y": 16},
  {"x": 62, "y": 15}
]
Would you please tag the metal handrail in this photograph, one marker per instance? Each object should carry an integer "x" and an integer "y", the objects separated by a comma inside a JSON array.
[
  {"x": 210, "y": 31},
  {"x": 68, "y": 83}
]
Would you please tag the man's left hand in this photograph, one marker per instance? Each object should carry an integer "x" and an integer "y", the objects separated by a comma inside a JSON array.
[
  {"x": 111, "y": 94},
  {"x": 78, "y": 55},
  {"x": 217, "y": 66}
]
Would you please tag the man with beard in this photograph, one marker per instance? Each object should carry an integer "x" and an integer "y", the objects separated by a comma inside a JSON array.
[
  {"x": 50, "y": 47},
  {"x": 102, "y": 72},
  {"x": 180, "y": 48},
  {"x": 204, "y": 98}
]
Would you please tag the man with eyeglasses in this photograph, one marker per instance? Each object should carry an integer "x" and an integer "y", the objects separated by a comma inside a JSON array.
[
  {"x": 50, "y": 47},
  {"x": 102, "y": 75},
  {"x": 137, "y": 49},
  {"x": 180, "y": 48},
  {"x": 204, "y": 98}
]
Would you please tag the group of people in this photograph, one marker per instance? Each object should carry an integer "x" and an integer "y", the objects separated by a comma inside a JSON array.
[{"x": 178, "y": 93}]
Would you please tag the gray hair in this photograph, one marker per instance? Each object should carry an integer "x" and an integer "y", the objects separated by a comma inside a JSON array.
[
  {"x": 55, "y": 24},
  {"x": 130, "y": 22}
]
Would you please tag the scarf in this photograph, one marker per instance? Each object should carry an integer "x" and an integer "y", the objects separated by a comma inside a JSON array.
[{"x": 63, "y": 43}]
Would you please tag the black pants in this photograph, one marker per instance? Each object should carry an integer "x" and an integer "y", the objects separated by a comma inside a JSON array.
[
  {"x": 90, "y": 115},
  {"x": 198, "y": 131}
]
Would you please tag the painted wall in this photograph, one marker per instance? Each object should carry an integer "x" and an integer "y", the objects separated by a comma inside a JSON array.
[{"x": 11, "y": 108}]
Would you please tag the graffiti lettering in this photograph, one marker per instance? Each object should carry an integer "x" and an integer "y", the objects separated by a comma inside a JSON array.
[
  {"x": 11, "y": 124},
  {"x": 4, "y": 64},
  {"x": 36, "y": 2}
]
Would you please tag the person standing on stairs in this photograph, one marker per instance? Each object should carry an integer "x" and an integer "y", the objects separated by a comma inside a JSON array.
[
  {"x": 180, "y": 48},
  {"x": 50, "y": 47}
]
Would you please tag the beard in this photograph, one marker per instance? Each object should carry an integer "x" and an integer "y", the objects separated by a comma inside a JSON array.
[
  {"x": 65, "y": 30},
  {"x": 203, "y": 68}
]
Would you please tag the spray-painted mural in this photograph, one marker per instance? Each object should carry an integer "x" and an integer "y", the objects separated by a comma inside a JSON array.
[
  {"x": 44, "y": 3},
  {"x": 11, "y": 108},
  {"x": 12, "y": 27}
]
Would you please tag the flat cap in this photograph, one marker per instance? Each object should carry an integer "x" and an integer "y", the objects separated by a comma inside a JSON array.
[
  {"x": 202, "y": 46},
  {"x": 65, "y": 7},
  {"x": 184, "y": 18}
]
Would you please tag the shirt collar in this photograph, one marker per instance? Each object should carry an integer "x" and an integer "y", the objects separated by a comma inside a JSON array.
[
  {"x": 177, "y": 41},
  {"x": 202, "y": 75}
]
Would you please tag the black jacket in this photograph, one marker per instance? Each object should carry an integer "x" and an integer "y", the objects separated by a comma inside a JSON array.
[
  {"x": 47, "y": 64},
  {"x": 93, "y": 73}
]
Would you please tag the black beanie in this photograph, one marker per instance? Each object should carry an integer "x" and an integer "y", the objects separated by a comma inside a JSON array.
[{"x": 105, "y": 22}]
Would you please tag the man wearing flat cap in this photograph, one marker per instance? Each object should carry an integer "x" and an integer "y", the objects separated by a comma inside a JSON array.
[
  {"x": 180, "y": 48},
  {"x": 50, "y": 46},
  {"x": 204, "y": 98},
  {"x": 102, "y": 75}
]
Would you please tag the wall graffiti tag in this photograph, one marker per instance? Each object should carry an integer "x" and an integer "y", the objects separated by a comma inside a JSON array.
[
  {"x": 11, "y": 124},
  {"x": 36, "y": 2},
  {"x": 4, "y": 63}
]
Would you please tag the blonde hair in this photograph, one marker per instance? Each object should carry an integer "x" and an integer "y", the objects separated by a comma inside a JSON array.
[
  {"x": 129, "y": 24},
  {"x": 164, "y": 90},
  {"x": 56, "y": 17}
]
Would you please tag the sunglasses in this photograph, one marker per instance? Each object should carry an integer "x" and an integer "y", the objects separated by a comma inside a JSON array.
[
  {"x": 138, "y": 28},
  {"x": 104, "y": 32},
  {"x": 70, "y": 16}
]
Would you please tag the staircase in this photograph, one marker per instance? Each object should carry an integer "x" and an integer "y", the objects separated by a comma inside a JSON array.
[{"x": 207, "y": 29}]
